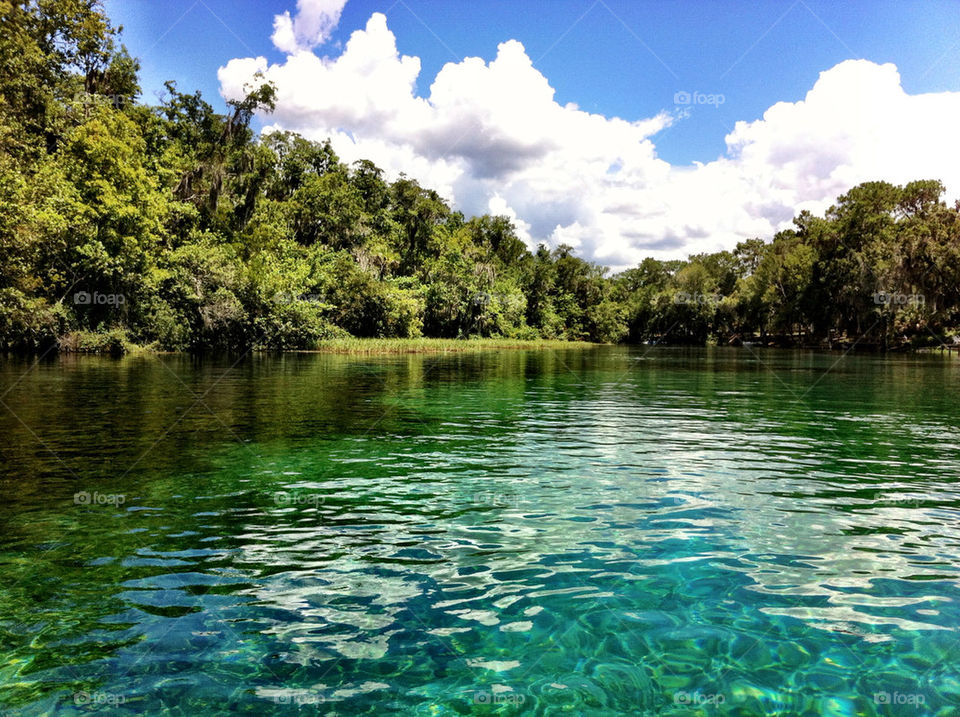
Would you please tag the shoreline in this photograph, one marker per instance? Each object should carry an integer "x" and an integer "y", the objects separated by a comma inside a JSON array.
[
  {"x": 340, "y": 346},
  {"x": 397, "y": 347},
  {"x": 430, "y": 346}
]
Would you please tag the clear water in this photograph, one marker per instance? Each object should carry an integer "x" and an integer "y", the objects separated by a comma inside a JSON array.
[{"x": 607, "y": 531}]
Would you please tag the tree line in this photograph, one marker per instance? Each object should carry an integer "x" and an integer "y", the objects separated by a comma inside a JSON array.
[{"x": 178, "y": 227}]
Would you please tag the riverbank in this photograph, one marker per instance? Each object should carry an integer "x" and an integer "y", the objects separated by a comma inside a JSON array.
[
  {"x": 430, "y": 346},
  {"x": 115, "y": 344}
]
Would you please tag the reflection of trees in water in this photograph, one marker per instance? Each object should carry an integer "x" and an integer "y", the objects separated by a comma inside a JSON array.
[{"x": 484, "y": 500}]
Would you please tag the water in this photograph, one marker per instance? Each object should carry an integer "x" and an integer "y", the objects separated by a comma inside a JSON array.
[{"x": 606, "y": 531}]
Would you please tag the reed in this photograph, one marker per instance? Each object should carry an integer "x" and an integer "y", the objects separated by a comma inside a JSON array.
[{"x": 424, "y": 345}]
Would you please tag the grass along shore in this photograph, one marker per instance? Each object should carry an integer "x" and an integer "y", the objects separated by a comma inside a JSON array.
[
  {"x": 116, "y": 343},
  {"x": 424, "y": 346}
]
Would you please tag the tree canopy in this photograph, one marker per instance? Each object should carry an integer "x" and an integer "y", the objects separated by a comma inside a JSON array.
[{"x": 178, "y": 227}]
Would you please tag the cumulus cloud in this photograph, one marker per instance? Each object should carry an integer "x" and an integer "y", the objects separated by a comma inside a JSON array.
[
  {"x": 311, "y": 26},
  {"x": 491, "y": 137}
]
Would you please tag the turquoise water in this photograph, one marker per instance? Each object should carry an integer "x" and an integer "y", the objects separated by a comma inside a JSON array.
[{"x": 604, "y": 531}]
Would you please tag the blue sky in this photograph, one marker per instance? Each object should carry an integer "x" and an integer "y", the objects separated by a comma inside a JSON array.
[
  {"x": 611, "y": 58},
  {"x": 598, "y": 63}
]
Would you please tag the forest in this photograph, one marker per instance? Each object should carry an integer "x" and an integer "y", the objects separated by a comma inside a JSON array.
[{"x": 174, "y": 227}]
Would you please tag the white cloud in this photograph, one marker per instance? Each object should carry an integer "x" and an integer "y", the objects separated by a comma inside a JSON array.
[
  {"x": 312, "y": 25},
  {"x": 491, "y": 137}
]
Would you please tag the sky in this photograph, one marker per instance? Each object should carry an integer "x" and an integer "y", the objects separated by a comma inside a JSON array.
[{"x": 625, "y": 129}]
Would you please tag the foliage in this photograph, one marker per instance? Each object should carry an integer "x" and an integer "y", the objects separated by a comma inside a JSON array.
[{"x": 178, "y": 227}]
